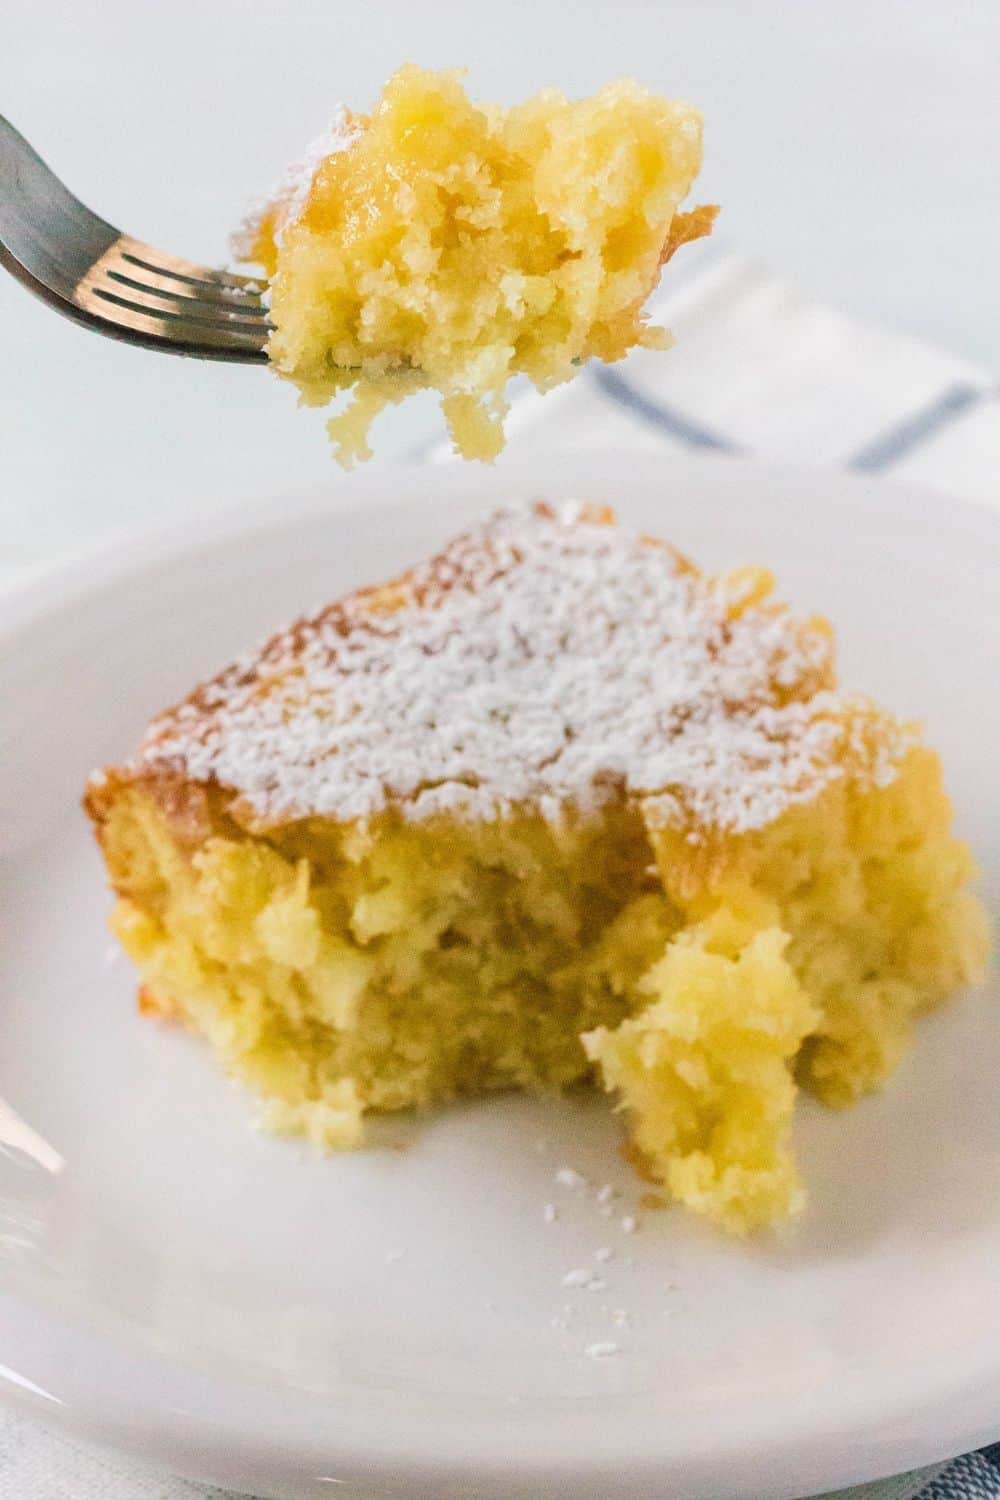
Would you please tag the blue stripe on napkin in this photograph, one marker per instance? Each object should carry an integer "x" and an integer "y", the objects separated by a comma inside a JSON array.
[
  {"x": 658, "y": 414},
  {"x": 903, "y": 438}
]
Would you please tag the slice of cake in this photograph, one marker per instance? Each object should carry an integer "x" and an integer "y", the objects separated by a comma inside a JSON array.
[
  {"x": 436, "y": 244},
  {"x": 553, "y": 808}
]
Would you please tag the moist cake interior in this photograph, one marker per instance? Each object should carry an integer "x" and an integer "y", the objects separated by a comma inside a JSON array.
[
  {"x": 404, "y": 918},
  {"x": 437, "y": 244}
]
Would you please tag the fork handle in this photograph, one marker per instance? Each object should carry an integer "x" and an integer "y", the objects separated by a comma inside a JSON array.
[{"x": 32, "y": 195}]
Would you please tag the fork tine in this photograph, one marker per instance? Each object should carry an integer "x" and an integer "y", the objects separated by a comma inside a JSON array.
[
  {"x": 156, "y": 286},
  {"x": 158, "y": 291},
  {"x": 155, "y": 272},
  {"x": 191, "y": 315},
  {"x": 122, "y": 273},
  {"x": 185, "y": 271},
  {"x": 177, "y": 332},
  {"x": 195, "y": 318}
]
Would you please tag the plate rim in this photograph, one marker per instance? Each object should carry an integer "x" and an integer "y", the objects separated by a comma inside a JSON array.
[{"x": 25, "y": 595}]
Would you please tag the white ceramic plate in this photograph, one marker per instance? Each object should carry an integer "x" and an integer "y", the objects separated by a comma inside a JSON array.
[{"x": 394, "y": 1323}]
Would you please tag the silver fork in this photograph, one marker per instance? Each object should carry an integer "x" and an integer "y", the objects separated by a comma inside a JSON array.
[{"x": 91, "y": 272}]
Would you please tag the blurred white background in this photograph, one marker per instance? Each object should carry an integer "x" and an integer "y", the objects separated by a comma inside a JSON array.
[{"x": 852, "y": 144}]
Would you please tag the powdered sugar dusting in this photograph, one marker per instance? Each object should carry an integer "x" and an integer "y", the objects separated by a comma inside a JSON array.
[
  {"x": 288, "y": 197},
  {"x": 545, "y": 659}
]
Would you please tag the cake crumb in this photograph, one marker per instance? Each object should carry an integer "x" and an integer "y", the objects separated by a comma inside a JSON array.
[
  {"x": 550, "y": 1213},
  {"x": 602, "y": 1349},
  {"x": 629, "y": 1224},
  {"x": 568, "y": 1177},
  {"x": 585, "y": 1278},
  {"x": 604, "y": 1253},
  {"x": 605, "y": 1194}
]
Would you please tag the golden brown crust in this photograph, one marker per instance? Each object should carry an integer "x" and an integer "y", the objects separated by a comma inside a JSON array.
[
  {"x": 634, "y": 1157},
  {"x": 186, "y": 805},
  {"x": 696, "y": 224},
  {"x": 152, "y": 1006},
  {"x": 728, "y": 716},
  {"x": 192, "y": 809}
]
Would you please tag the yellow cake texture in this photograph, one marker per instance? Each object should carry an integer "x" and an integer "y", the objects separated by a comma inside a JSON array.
[
  {"x": 434, "y": 244},
  {"x": 552, "y": 809}
]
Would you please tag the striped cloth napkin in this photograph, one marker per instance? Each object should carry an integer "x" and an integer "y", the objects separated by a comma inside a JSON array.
[{"x": 760, "y": 371}]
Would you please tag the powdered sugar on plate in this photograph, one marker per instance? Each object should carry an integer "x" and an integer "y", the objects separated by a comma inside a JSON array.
[{"x": 546, "y": 659}]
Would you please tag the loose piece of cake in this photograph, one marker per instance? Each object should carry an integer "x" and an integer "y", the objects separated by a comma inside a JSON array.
[
  {"x": 552, "y": 808},
  {"x": 434, "y": 244}
]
